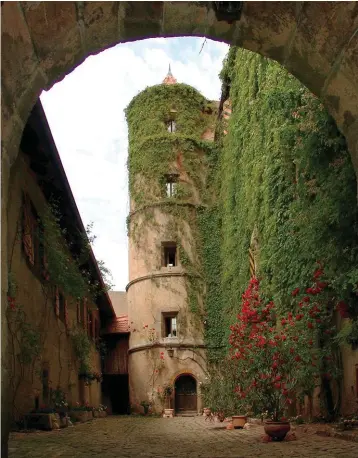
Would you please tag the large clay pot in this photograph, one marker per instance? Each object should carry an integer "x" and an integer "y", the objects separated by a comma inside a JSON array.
[
  {"x": 238, "y": 421},
  {"x": 277, "y": 430}
]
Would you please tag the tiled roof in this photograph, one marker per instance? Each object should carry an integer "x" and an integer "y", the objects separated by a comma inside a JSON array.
[
  {"x": 169, "y": 79},
  {"x": 118, "y": 325}
]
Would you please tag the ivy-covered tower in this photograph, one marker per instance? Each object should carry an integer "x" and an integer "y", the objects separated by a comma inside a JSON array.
[{"x": 171, "y": 132}]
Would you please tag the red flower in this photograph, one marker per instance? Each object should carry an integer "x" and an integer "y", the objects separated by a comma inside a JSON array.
[
  {"x": 295, "y": 292},
  {"x": 342, "y": 307},
  {"x": 292, "y": 351},
  {"x": 277, "y": 385},
  {"x": 310, "y": 325},
  {"x": 298, "y": 358},
  {"x": 310, "y": 342},
  {"x": 306, "y": 299}
]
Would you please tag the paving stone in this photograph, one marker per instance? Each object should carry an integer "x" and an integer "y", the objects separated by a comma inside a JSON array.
[{"x": 193, "y": 437}]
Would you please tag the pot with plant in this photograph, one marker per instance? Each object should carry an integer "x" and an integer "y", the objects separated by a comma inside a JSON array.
[
  {"x": 218, "y": 393},
  {"x": 276, "y": 356},
  {"x": 146, "y": 405},
  {"x": 167, "y": 393}
]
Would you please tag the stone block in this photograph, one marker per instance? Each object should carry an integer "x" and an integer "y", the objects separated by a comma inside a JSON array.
[
  {"x": 99, "y": 22},
  {"x": 56, "y": 36},
  {"x": 141, "y": 20},
  {"x": 19, "y": 60}
]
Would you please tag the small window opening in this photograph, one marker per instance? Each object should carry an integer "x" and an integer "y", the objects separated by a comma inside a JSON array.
[
  {"x": 171, "y": 185},
  {"x": 171, "y": 126},
  {"x": 62, "y": 306},
  {"x": 45, "y": 386},
  {"x": 170, "y": 255},
  {"x": 170, "y": 326}
]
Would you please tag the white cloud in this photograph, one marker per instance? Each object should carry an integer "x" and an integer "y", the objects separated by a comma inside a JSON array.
[{"x": 86, "y": 115}]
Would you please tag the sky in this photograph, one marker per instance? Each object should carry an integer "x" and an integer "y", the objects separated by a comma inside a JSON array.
[{"x": 85, "y": 112}]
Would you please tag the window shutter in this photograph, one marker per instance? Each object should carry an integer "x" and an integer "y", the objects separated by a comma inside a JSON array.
[
  {"x": 57, "y": 302},
  {"x": 28, "y": 230},
  {"x": 78, "y": 311},
  {"x": 89, "y": 329},
  {"x": 66, "y": 313},
  {"x": 84, "y": 313},
  {"x": 45, "y": 272}
]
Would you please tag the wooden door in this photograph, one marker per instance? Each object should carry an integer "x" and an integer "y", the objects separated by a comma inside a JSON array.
[{"x": 185, "y": 394}]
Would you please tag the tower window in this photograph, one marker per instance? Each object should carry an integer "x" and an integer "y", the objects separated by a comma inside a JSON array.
[
  {"x": 169, "y": 254},
  {"x": 171, "y": 185},
  {"x": 62, "y": 307},
  {"x": 170, "y": 325},
  {"x": 171, "y": 126}
]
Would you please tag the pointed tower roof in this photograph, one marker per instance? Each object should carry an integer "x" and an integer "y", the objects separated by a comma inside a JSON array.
[{"x": 169, "y": 79}]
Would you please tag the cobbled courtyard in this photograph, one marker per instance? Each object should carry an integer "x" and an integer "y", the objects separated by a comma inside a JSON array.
[{"x": 123, "y": 436}]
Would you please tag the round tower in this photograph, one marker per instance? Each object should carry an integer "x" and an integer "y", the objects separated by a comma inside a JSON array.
[{"x": 170, "y": 138}]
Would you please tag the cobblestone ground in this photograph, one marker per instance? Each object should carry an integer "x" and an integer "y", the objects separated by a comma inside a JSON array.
[{"x": 173, "y": 437}]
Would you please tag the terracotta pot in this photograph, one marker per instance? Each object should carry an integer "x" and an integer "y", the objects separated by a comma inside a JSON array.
[
  {"x": 239, "y": 421},
  {"x": 277, "y": 430}
]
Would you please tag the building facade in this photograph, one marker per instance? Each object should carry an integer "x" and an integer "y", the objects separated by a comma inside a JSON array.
[
  {"x": 51, "y": 309},
  {"x": 171, "y": 130}
]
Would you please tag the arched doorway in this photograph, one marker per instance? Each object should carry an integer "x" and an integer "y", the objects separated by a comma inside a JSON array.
[{"x": 186, "y": 398}]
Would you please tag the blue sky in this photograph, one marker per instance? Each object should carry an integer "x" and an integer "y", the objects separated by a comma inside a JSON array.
[{"x": 85, "y": 113}]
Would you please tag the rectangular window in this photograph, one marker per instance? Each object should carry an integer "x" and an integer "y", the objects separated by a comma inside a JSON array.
[
  {"x": 45, "y": 385},
  {"x": 171, "y": 126},
  {"x": 89, "y": 324},
  {"x": 170, "y": 325},
  {"x": 61, "y": 310},
  {"x": 171, "y": 188},
  {"x": 169, "y": 254},
  {"x": 171, "y": 185}
]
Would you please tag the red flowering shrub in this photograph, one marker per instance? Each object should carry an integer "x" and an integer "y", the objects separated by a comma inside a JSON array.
[{"x": 278, "y": 356}]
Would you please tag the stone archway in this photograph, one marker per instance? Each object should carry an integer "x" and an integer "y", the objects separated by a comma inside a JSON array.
[
  {"x": 43, "y": 41},
  {"x": 185, "y": 393}
]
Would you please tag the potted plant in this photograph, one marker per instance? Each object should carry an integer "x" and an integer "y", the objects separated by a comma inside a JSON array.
[
  {"x": 167, "y": 393},
  {"x": 277, "y": 357},
  {"x": 218, "y": 393},
  {"x": 145, "y": 405}
]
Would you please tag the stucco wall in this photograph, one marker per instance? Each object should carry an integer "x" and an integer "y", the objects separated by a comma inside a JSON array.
[
  {"x": 57, "y": 352},
  {"x": 148, "y": 373}
]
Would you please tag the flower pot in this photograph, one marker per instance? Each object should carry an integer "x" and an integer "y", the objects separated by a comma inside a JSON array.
[
  {"x": 168, "y": 413},
  {"x": 220, "y": 416},
  {"x": 239, "y": 421},
  {"x": 277, "y": 430},
  {"x": 79, "y": 415},
  {"x": 206, "y": 411}
]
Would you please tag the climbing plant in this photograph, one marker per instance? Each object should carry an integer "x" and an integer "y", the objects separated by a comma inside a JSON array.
[
  {"x": 283, "y": 170},
  {"x": 155, "y": 154}
]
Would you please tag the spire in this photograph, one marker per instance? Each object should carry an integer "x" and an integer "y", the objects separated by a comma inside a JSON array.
[{"x": 169, "y": 79}]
